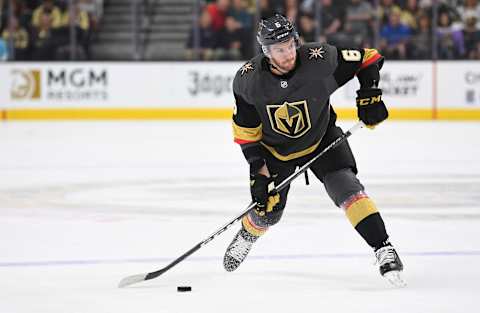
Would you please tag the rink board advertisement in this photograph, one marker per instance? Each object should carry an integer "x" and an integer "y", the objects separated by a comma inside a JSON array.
[
  {"x": 404, "y": 85},
  {"x": 106, "y": 85},
  {"x": 459, "y": 85},
  {"x": 201, "y": 90}
]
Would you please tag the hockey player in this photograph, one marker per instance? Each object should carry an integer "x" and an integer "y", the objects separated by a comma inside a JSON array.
[{"x": 283, "y": 117}]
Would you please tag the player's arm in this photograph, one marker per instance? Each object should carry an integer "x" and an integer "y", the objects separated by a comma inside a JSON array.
[
  {"x": 247, "y": 132},
  {"x": 366, "y": 65}
]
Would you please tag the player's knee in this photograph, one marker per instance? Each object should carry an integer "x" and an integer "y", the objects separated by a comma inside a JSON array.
[
  {"x": 342, "y": 184},
  {"x": 347, "y": 192}
]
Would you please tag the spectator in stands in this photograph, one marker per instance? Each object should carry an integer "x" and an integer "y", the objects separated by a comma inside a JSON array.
[
  {"x": 471, "y": 36},
  {"x": 94, "y": 9},
  {"x": 357, "y": 21},
  {"x": 206, "y": 39},
  {"x": 218, "y": 12},
  {"x": 420, "y": 44},
  {"x": 470, "y": 9},
  {"x": 309, "y": 6},
  {"x": 229, "y": 41},
  {"x": 47, "y": 8},
  {"x": 2, "y": 9},
  {"x": 386, "y": 8},
  {"x": 394, "y": 37},
  {"x": 43, "y": 38},
  {"x": 266, "y": 9},
  {"x": 291, "y": 10},
  {"x": 79, "y": 18},
  {"x": 19, "y": 8},
  {"x": 278, "y": 6},
  {"x": 240, "y": 13},
  {"x": 453, "y": 13},
  {"x": 332, "y": 17},
  {"x": 450, "y": 40},
  {"x": 3, "y": 50},
  {"x": 20, "y": 38},
  {"x": 410, "y": 14},
  {"x": 306, "y": 28},
  {"x": 251, "y": 6}
]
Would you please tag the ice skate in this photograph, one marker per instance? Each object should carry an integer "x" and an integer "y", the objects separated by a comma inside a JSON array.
[
  {"x": 390, "y": 265},
  {"x": 238, "y": 249}
]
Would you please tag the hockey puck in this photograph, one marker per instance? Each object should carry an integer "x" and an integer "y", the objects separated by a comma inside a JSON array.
[{"x": 184, "y": 288}]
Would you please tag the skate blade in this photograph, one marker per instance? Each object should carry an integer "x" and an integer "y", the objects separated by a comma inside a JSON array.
[{"x": 395, "y": 278}]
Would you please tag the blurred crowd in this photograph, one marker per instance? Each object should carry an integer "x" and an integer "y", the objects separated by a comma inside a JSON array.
[
  {"x": 400, "y": 29},
  {"x": 40, "y": 29},
  {"x": 225, "y": 29}
]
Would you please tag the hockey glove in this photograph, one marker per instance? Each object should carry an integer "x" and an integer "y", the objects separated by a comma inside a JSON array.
[
  {"x": 371, "y": 109},
  {"x": 262, "y": 189}
]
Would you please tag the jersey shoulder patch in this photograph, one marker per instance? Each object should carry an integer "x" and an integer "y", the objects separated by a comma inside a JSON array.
[
  {"x": 315, "y": 52},
  {"x": 246, "y": 77},
  {"x": 250, "y": 67},
  {"x": 246, "y": 68},
  {"x": 321, "y": 56}
]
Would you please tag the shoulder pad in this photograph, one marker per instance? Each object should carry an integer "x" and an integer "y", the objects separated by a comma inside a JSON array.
[
  {"x": 246, "y": 68},
  {"x": 316, "y": 52},
  {"x": 319, "y": 55},
  {"x": 246, "y": 75}
]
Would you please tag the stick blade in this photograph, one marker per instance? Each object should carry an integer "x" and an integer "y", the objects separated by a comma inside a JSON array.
[{"x": 133, "y": 279}]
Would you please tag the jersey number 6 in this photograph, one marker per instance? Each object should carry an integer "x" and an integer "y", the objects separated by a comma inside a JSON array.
[{"x": 351, "y": 55}]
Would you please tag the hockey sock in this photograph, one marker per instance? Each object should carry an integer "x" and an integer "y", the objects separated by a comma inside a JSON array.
[
  {"x": 364, "y": 217},
  {"x": 251, "y": 227}
]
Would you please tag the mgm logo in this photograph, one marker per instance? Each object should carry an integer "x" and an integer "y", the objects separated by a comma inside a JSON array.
[
  {"x": 290, "y": 119},
  {"x": 25, "y": 85}
]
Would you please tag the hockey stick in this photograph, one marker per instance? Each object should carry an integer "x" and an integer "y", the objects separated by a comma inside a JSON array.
[{"x": 129, "y": 280}]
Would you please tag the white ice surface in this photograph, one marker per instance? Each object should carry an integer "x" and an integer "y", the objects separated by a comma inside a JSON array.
[{"x": 84, "y": 204}]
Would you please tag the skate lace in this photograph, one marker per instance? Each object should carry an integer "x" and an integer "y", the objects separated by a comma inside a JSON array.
[{"x": 385, "y": 255}]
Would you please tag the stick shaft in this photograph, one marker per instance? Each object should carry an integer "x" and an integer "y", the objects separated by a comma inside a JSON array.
[{"x": 137, "y": 278}]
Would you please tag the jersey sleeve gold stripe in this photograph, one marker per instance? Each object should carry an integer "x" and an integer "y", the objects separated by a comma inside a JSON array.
[{"x": 246, "y": 134}]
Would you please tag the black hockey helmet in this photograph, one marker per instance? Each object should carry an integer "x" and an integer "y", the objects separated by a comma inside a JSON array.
[{"x": 274, "y": 30}]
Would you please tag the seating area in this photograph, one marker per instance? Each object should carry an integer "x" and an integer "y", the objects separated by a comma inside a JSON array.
[
  {"x": 41, "y": 29},
  {"x": 225, "y": 29},
  {"x": 401, "y": 29}
]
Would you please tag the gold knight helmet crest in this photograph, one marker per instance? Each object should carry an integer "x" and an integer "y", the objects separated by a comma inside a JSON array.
[{"x": 290, "y": 119}]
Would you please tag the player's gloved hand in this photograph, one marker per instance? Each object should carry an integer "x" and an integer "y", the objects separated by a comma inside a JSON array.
[
  {"x": 371, "y": 109},
  {"x": 262, "y": 189}
]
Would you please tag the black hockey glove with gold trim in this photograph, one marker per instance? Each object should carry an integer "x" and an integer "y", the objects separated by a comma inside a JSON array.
[
  {"x": 262, "y": 189},
  {"x": 370, "y": 107}
]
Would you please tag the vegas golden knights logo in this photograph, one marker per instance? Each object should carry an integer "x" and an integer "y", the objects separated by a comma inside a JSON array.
[
  {"x": 290, "y": 119},
  {"x": 25, "y": 85}
]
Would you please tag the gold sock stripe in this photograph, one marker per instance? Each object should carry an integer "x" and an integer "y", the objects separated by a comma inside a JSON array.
[
  {"x": 360, "y": 209},
  {"x": 250, "y": 226}
]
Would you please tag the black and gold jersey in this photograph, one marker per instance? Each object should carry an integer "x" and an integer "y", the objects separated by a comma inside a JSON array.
[{"x": 288, "y": 115}]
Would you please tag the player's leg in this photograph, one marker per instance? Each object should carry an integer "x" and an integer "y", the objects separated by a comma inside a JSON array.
[
  {"x": 255, "y": 225},
  {"x": 338, "y": 173},
  {"x": 348, "y": 193}
]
